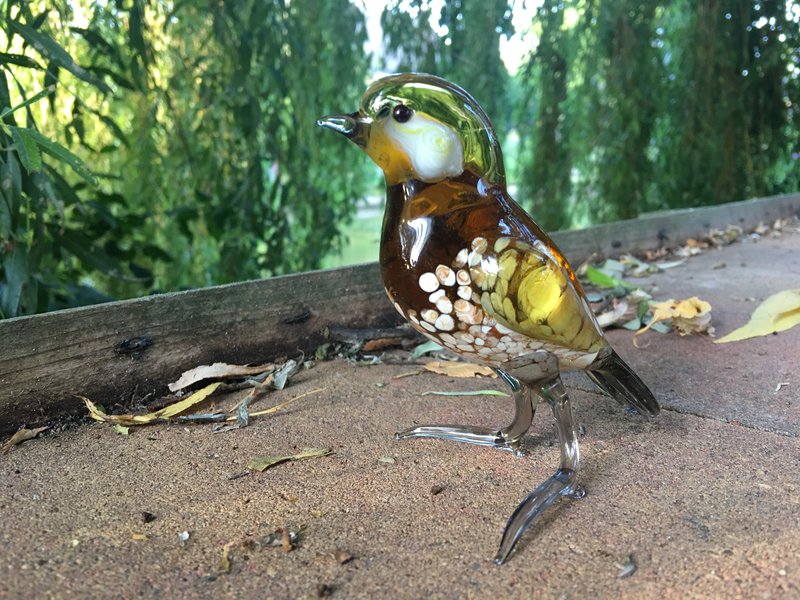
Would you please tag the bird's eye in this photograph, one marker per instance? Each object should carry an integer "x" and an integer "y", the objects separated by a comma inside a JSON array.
[
  {"x": 383, "y": 112},
  {"x": 402, "y": 113}
]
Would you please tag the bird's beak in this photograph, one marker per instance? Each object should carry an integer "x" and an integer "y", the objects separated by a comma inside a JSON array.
[{"x": 353, "y": 126}]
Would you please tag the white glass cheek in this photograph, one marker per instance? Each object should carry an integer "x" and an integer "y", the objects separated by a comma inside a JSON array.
[{"x": 433, "y": 149}]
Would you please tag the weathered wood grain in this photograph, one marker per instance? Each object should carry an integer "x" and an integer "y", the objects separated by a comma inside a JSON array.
[
  {"x": 45, "y": 359},
  {"x": 669, "y": 228}
]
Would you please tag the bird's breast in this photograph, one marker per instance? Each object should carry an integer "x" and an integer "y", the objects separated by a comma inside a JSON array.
[{"x": 490, "y": 297}]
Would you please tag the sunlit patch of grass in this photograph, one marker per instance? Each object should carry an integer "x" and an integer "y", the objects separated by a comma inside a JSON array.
[{"x": 362, "y": 237}]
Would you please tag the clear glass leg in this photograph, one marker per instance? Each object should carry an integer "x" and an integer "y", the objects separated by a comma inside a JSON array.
[
  {"x": 563, "y": 483},
  {"x": 507, "y": 438}
]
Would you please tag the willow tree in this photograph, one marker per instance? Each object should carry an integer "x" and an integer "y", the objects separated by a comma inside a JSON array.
[
  {"x": 465, "y": 47},
  {"x": 648, "y": 104},
  {"x": 621, "y": 87},
  {"x": 244, "y": 174},
  {"x": 546, "y": 162},
  {"x": 200, "y": 122},
  {"x": 730, "y": 118}
]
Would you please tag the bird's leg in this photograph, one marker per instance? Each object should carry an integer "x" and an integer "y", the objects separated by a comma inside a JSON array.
[
  {"x": 507, "y": 438},
  {"x": 563, "y": 483}
]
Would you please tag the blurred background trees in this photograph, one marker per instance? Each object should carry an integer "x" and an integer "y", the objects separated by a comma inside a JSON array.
[{"x": 154, "y": 145}]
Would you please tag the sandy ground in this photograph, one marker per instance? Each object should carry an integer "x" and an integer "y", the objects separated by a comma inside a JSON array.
[{"x": 703, "y": 501}]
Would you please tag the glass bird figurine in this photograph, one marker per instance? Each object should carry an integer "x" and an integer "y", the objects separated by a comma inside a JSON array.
[{"x": 472, "y": 271}]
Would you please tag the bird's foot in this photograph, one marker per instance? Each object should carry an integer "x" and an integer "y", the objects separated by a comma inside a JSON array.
[
  {"x": 507, "y": 438},
  {"x": 578, "y": 493},
  {"x": 470, "y": 435},
  {"x": 562, "y": 483},
  {"x": 534, "y": 504}
]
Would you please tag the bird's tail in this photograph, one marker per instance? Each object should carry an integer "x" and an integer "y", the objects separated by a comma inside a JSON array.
[{"x": 617, "y": 379}]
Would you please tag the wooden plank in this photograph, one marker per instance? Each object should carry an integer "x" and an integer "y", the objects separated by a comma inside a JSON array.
[
  {"x": 669, "y": 228},
  {"x": 45, "y": 359}
]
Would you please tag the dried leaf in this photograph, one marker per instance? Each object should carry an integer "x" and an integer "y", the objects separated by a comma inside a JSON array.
[
  {"x": 381, "y": 344},
  {"x": 613, "y": 316},
  {"x": 779, "y": 312},
  {"x": 163, "y": 414},
  {"x": 139, "y": 537},
  {"x": 343, "y": 556},
  {"x": 225, "y": 559},
  {"x": 262, "y": 463},
  {"x": 670, "y": 264},
  {"x": 216, "y": 371},
  {"x": 20, "y": 436},
  {"x": 121, "y": 429},
  {"x": 637, "y": 267},
  {"x": 691, "y": 248},
  {"x": 688, "y": 316},
  {"x": 459, "y": 369},
  {"x": 468, "y": 393},
  {"x": 287, "y": 541},
  {"x": 282, "y": 405},
  {"x": 277, "y": 379},
  {"x": 728, "y": 236}
]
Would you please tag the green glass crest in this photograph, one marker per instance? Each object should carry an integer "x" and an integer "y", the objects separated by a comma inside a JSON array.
[{"x": 449, "y": 104}]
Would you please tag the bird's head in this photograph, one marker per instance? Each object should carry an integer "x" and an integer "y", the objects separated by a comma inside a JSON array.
[{"x": 422, "y": 127}]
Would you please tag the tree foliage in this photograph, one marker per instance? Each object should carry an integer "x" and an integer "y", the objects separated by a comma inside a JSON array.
[
  {"x": 463, "y": 48},
  {"x": 648, "y": 104},
  {"x": 198, "y": 122},
  {"x": 149, "y": 145}
]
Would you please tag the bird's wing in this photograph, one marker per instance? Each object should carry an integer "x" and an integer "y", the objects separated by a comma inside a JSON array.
[{"x": 530, "y": 289}]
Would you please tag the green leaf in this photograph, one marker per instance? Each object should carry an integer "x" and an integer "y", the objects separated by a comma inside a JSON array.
[
  {"x": 49, "y": 48},
  {"x": 32, "y": 100},
  {"x": 41, "y": 42},
  {"x": 467, "y": 393},
  {"x": 597, "y": 277},
  {"x": 423, "y": 349},
  {"x": 15, "y": 268},
  {"x": 27, "y": 150},
  {"x": 58, "y": 151},
  {"x": 20, "y": 60},
  {"x": 112, "y": 125},
  {"x": 80, "y": 246}
]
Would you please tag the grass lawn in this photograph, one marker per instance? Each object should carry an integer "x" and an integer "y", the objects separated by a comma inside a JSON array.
[{"x": 363, "y": 237}]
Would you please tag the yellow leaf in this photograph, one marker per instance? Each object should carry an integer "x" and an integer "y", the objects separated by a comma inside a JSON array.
[
  {"x": 262, "y": 463},
  {"x": 139, "y": 537},
  {"x": 688, "y": 316},
  {"x": 779, "y": 312},
  {"x": 225, "y": 560},
  {"x": 163, "y": 414},
  {"x": 174, "y": 410},
  {"x": 282, "y": 405},
  {"x": 459, "y": 369}
]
